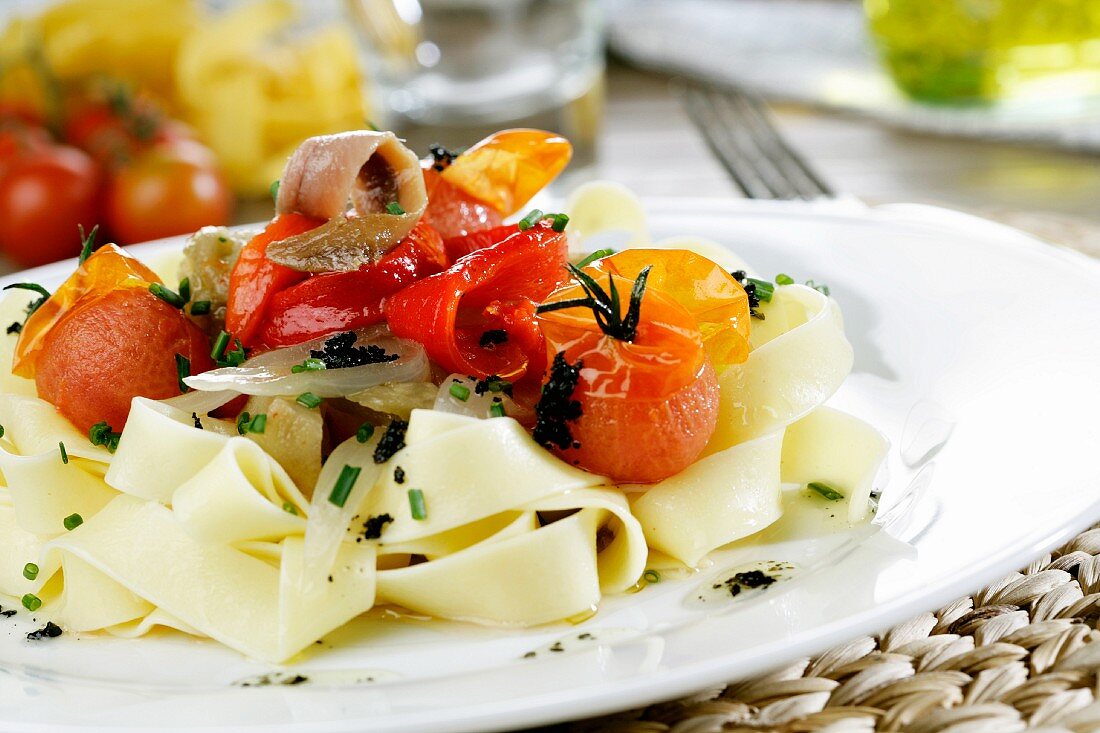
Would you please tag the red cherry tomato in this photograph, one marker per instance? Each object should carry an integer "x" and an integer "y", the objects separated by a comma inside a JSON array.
[
  {"x": 172, "y": 188},
  {"x": 115, "y": 347},
  {"x": 45, "y": 194}
]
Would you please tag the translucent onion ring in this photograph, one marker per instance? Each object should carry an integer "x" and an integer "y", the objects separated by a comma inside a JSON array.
[{"x": 270, "y": 374}]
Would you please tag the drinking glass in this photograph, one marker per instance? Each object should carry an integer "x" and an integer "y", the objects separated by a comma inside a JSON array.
[{"x": 986, "y": 50}]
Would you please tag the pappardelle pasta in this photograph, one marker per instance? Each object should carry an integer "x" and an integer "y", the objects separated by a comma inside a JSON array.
[{"x": 409, "y": 402}]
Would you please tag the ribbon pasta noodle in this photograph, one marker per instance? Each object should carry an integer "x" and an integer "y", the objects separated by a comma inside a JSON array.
[{"x": 202, "y": 531}]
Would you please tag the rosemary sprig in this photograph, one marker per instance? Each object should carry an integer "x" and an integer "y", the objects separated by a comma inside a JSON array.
[{"x": 606, "y": 305}]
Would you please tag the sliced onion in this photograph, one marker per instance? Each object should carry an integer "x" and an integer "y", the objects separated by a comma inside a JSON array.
[
  {"x": 476, "y": 405},
  {"x": 328, "y": 523},
  {"x": 271, "y": 373}
]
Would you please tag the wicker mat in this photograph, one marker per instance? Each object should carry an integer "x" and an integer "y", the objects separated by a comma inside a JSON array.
[{"x": 1023, "y": 654}]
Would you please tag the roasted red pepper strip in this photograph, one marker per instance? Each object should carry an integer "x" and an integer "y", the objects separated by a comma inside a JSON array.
[
  {"x": 256, "y": 279},
  {"x": 490, "y": 289},
  {"x": 341, "y": 301},
  {"x": 463, "y": 245}
]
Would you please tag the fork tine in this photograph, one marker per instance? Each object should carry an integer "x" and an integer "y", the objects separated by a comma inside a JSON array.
[
  {"x": 725, "y": 147},
  {"x": 800, "y": 172},
  {"x": 740, "y": 133}
]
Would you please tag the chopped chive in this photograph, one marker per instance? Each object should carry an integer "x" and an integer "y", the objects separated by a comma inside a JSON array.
[
  {"x": 258, "y": 424},
  {"x": 652, "y": 576},
  {"x": 364, "y": 433},
  {"x": 30, "y": 571},
  {"x": 101, "y": 434},
  {"x": 533, "y": 217},
  {"x": 1, "y": 431},
  {"x": 31, "y": 602},
  {"x": 200, "y": 308},
  {"x": 87, "y": 243},
  {"x": 234, "y": 357},
  {"x": 290, "y": 508},
  {"x": 416, "y": 505},
  {"x": 273, "y": 189},
  {"x": 221, "y": 343},
  {"x": 64, "y": 453},
  {"x": 171, "y": 298},
  {"x": 308, "y": 399},
  {"x": 344, "y": 484},
  {"x": 460, "y": 392},
  {"x": 394, "y": 208},
  {"x": 825, "y": 490},
  {"x": 183, "y": 370},
  {"x": 72, "y": 521},
  {"x": 242, "y": 422},
  {"x": 764, "y": 289},
  {"x": 784, "y": 279},
  {"x": 822, "y": 288},
  {"x": 309, "y": 365},
  {"x": 496, "y": 409},
  {"x": 185, "y": 289},
  {"x": 558, "y": 222},
  {"x": 597, "y": 255}
]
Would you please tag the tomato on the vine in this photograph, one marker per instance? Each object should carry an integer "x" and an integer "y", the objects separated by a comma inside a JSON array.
[
  {"x": 170, "y": 188},
  {"x": 46, "y": 193}
]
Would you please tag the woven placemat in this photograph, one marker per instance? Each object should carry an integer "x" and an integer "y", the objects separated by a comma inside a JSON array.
[{"x": 1021, "y": 655}]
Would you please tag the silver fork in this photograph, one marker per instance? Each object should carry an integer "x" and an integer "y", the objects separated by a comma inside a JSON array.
[{"x": 740, "y": 132}]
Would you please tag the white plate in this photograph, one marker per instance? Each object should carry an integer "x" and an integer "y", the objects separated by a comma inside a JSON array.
[{"x": 976, "y": 353}]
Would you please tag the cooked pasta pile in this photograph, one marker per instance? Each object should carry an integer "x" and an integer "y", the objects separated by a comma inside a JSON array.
[{"x": 446, "y": 514}]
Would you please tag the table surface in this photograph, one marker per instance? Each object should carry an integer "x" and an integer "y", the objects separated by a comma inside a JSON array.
[{"x": 648, "y": 143}]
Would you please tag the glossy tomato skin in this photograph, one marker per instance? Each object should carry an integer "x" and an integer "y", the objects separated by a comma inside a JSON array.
[
  {"x": 169, "y": 189},
  {"x": 45, "y": 194},
  {"x": 454, "y": 213},
  {"x": 644, "y": 440},
  {"x": 115, "y": 347}
]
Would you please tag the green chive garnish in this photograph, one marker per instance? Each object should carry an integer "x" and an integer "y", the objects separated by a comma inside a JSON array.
[
  {"x": 823, "y": 289},
  {"x": 171, "y": 298},
  {"x": 87, "y": 243},
  {"x": 234, "y": 357},
  {"x": 784, "y": 279},
  {"x": 221, "y": 343},
  {"x": 290, "y": 508},
  {"x": 64, "y": 453},
  {"x": 340, "y": 492},
  {"x": 394, "y": 208},
  {"x": 309, "y": 365},
  {"x": 183, "y": 370},
  {"x": 416, "y": 505},
  {"x": 31, "y": 602},
  {"x": 558, "y": 222},
  {"x": 533, "y": 217},
  {"x": 1, "y": 431},
  {"x": 764, "y": 289},
  {"x": 101, "y": 434},
  {"x": 200, "y": 308},
  {"x": 258, "y": 424},
  {"x": 73, "y": 521},
  {"x": 597, "y": 255},
  {"x": 30, "y": 571},
  {"x": 825, "y": 490},
  {"x": 365, "y": 432},
  {"x": 308, "y": 399},
  {"x": 242, "y": 422},
  {"x": 185, "y": 289},
  {"x": 459, "y": 392},
  {"x": 496, "y": 409},
  {"x": 273, "y": 189},
  {"x": 652, "y": 576}
]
